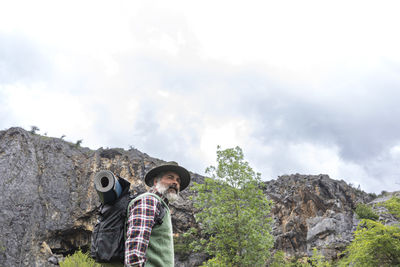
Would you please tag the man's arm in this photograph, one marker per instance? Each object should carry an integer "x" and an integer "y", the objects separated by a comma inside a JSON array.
[{"x": 140, "y": 223}]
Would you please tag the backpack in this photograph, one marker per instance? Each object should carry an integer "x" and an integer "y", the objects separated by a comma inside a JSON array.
[{"x": 109, "y": 233}]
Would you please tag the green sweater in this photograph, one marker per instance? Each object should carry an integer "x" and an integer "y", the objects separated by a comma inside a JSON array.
[{"x": 160, "y": 252}]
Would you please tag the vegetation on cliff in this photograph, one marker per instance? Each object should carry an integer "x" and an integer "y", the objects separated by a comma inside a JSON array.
[
  {"x": 363, "y": 211},
  {"x": 374, "y": 244},
  {"x": 393, "y": 206},
  {"x": 316, "y": 260},
  {"x": 79, "y": 259}
]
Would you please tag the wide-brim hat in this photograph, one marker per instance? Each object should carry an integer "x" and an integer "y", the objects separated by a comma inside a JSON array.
[{"x": 166, "y": 167}]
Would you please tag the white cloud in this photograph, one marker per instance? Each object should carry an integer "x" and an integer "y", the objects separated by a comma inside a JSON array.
[
  {"x": 37, "y": 105},
  {"x": 303, "y": 87}
]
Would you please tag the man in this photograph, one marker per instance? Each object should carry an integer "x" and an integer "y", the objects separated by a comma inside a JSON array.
[{"x": 149, "y": 242}]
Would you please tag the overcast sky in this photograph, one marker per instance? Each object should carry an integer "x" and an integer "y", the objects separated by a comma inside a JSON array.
[{"x": 305, "y": 87}]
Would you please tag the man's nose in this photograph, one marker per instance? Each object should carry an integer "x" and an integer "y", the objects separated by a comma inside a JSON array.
[{"x": 175, "y": 182}]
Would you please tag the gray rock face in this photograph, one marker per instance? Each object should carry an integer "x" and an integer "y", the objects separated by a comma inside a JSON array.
[{"x": 313, "y": 211}]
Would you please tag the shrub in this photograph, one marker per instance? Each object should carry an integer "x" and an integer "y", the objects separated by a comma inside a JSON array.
[
  {"x": 393, "y": 205},
  {"x": 182, "y": 245},
  {"x": 374, "y": 244},
  {"x": 364, "y": 211},
  {"x": 79, "y": 259},
  {"x": 319, "y": 260},
  {"x": 278, "y": 260}
]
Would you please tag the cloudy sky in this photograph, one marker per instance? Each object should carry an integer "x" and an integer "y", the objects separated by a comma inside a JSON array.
[{"x": 303, "y": 87}]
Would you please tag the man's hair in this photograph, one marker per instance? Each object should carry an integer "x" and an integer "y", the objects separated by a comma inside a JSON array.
[{"x": 158, "y": 177}]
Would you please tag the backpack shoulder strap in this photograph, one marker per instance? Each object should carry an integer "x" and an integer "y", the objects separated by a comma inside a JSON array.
[{"x": 159, "y": 218}]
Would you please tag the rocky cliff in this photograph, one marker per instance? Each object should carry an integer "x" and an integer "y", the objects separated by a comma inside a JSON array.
[
  {"x": 48, "y": 203},
  {"x": 313, "y": 211}
]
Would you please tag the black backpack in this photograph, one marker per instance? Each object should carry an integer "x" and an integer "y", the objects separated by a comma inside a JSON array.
[{"x": 108, "y": 237}]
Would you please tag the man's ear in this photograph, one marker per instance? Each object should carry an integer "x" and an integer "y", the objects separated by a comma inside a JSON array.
[{"x": 154, "y": 182}]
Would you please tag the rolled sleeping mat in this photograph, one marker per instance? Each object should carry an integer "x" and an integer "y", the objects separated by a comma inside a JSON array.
[{"x": 107, "y": 186}]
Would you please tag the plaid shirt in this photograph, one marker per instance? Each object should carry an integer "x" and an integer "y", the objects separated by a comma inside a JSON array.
[{"x": 140, "y": 223}]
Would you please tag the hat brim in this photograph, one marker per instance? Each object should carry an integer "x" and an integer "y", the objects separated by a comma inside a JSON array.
[{"x": 182, "y": 172}]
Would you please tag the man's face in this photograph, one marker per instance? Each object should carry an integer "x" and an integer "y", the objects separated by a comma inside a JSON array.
[{"x": 171, "y": 181}]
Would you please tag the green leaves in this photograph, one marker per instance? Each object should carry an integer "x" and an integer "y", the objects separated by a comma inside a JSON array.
[
  {"x": 393, "y": 205},
  {"x": 234, "y": 214},
  {"x": 374, "y": 244},
  {"x": 79, "y": 259},
  {"x": 364, "y": 211}
]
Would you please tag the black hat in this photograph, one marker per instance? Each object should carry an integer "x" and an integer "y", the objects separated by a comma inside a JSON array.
[{"x": 169, "y": 166}]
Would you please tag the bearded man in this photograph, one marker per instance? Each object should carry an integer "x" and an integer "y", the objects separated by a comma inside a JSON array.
[{"x": 148, "y": 242}]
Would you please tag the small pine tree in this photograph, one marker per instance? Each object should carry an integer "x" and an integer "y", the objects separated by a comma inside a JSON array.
[{"x": 34, "y": 129}]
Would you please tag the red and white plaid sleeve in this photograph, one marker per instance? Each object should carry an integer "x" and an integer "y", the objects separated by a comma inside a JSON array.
[{"x": 140, "y": 223}]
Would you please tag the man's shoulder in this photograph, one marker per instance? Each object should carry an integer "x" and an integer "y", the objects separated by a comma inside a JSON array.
[{"x": 147, "y": 196}]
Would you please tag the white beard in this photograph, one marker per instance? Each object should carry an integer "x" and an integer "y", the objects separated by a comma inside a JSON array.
[{"x": 163, "y": 190}]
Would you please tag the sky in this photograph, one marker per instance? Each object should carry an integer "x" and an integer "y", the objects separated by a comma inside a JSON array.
[{"x": 309, "y": 87}]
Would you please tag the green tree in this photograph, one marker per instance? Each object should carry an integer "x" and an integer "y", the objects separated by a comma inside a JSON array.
[
  {"x": 374, "y": 244},
  {"x": 234, "y": 214}
]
